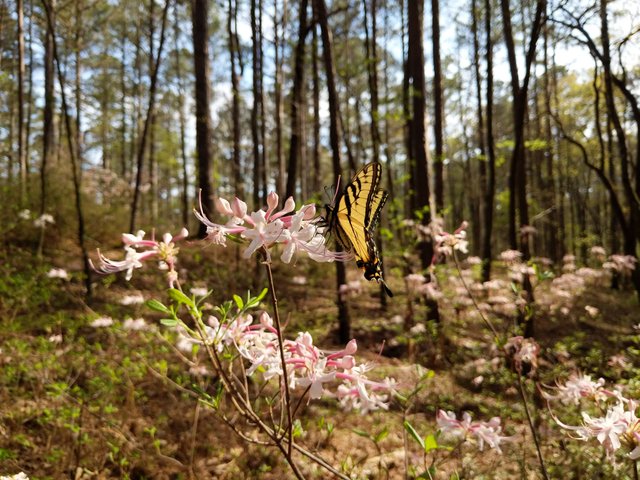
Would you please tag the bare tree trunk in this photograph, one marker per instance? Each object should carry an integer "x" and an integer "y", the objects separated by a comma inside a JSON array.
[
  {"x": 372, "y": 76},
  {"x": 27, "y": 146},
  {"x": 478, "y": 194},
  {"x": 22, "y": 159},
  {"x": 153, "y": 161},
  {"x": 200, "y": 19},
  {"x": 48, "y": 121},
  {"x": 417, "y": 132},
  {"x": 297, "y": 102},
  {"x": 264, "y": 159},
  {"x": 491, "y": 156},
  {"x": 320, "y": 11},
  {"x": 76, "y": 161},
  {"x": 180, "y": 105},
  {"x": 123, "y": 104},
  {"x": 438, "y": 100},
  {"x": 279, "y": 21},
  {"x": 257, "y": 98},
  {"x": 147, "y": 122},
  {"x": 518, "y": 169},
  {"x": 234, "y": 53},
  {"x": 317, "y": 177}
]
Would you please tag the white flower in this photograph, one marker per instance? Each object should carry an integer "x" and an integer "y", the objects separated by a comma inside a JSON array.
[
  {"x": 58, "y": 273},
  {"x": 199, "y": 291},
  {"x": 135, "y": 325},
  {"x": 102, "y": 322},
  {"x": 24, "y": 214},
  {"x": 43, "y": 219},
  {"x": 132, "y": 299},
  {"x": 592, "y": 311},
  {"x": 17, "y": 476}
]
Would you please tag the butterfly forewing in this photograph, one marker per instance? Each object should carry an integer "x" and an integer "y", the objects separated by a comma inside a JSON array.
[{"x": 354, "y": 219}]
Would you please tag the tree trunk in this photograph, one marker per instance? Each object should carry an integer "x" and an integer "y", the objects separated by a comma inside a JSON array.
[
  {"x": 199, "y": 22},
  {"x": 317, "y": 177},
  {"x": 48, "y": 122},
  {"x": 297, "y": 102},
  {"x": 180, "y": 105},
  {"x": 278, "y": 48},
  {"x": 518, "y": 166},
  {"x": 22, "y": 158},
  {"x": 320, "y": 11},
  {"x": 147, "y": 122},
  {"x": 438, "y": 101},
  {"x": 417, "y": 133},
  {"x": 153, "y": 161},
  {"x": 234, "y": 53},
  {"x": 256, "y": 99},
  {"x": 491, "y": 156}
]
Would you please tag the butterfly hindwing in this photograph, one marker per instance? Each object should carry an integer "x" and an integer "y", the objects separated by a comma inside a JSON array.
[{"x": 355, "y": 216}]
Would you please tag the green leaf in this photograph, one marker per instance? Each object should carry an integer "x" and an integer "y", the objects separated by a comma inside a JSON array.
[
  {"x": 238, "y": 301},
  {"x": 180, "y": 297},
  {"x": 262, "y": 294},
  {"x": 157, "y": 306},
  {"x": 361, "y": 433},
  {"x": 412, "y": 431},
  {"x": 381, "y": 435},
  {"x": 169, "y": 322},
  {"x": 430, "y": 443}
]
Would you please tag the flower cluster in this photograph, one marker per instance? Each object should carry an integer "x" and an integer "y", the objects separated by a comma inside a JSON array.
[
  {"x": 42, "y": 220},
  {"x": 297, "y": 230},
  {"x": 465, "y": 429},
  {"x": 616, "y": 426},
  {"x": 308, "y": 367},
  {"x": 446, "y": 243},
  {"x": 523, "y": 354},
  {"x": 138, "y": 250},
  {"x": 578, "y": 387},
  {"x": 622, "y": 264}
]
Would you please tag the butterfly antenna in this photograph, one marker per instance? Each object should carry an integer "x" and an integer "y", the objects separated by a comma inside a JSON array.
[{"x": 335, "y": 193}]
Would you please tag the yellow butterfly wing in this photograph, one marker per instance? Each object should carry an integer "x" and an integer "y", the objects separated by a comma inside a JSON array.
[{"x": 356, "y": 216}]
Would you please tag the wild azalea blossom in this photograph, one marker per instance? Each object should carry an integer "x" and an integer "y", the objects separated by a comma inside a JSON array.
[
  {"x": 578, "y": 387},
  {"x": 43, "y": 219},
  {"x": 58, "y": 273},
  {"x": 297, "y": 230},
  {"x": 139, "y": 250},
  {"x": 618, "y": 427},
  {"x": 102, "y": 322},
  {"x": 446, "y": 243},
  {"x": 135, "y": 299},
  {"x": 308, "y": 367},
  {"x": 465, "y": 429}
]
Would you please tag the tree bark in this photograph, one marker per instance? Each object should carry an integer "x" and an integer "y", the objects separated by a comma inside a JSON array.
[
  {"x": 234, "y": 53},
  {"x": 438, "y": 101},
  {"x": 297, "y": 102},
  {"x": 49, "y": 101},
  {"x": 418, "y": 135},
  {"x": 200, "y": 22},
  {"x": 147, "y": 122},
  {"x": 22, "y": 158},
  {"x": 320, "y": 11},
  {"x": 491, "y": 155}
]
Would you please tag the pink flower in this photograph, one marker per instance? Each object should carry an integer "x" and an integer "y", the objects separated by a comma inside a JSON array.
[
  {"x": 298, "y": 232},
  {"x": 165, "y": 251},
  {"x": 465, "y": 429},
  {"x": 579, "y": 387}
]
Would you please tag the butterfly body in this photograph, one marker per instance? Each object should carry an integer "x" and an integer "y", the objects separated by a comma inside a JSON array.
[{"x": 354, "y": 216}]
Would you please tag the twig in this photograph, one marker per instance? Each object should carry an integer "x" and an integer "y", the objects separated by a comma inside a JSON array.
[
  {"x": 532, "y": 427},
  {"x": 464, "y": 283}
]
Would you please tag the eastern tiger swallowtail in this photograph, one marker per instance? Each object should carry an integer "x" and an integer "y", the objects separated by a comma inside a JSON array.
[{"x": 353, "y": 218}]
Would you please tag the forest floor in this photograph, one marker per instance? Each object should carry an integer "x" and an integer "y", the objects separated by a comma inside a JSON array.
[{"x": 81, "y": 401}]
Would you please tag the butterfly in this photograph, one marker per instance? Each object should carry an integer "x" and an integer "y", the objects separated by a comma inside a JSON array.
[{"x": 353, "y": 217}]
